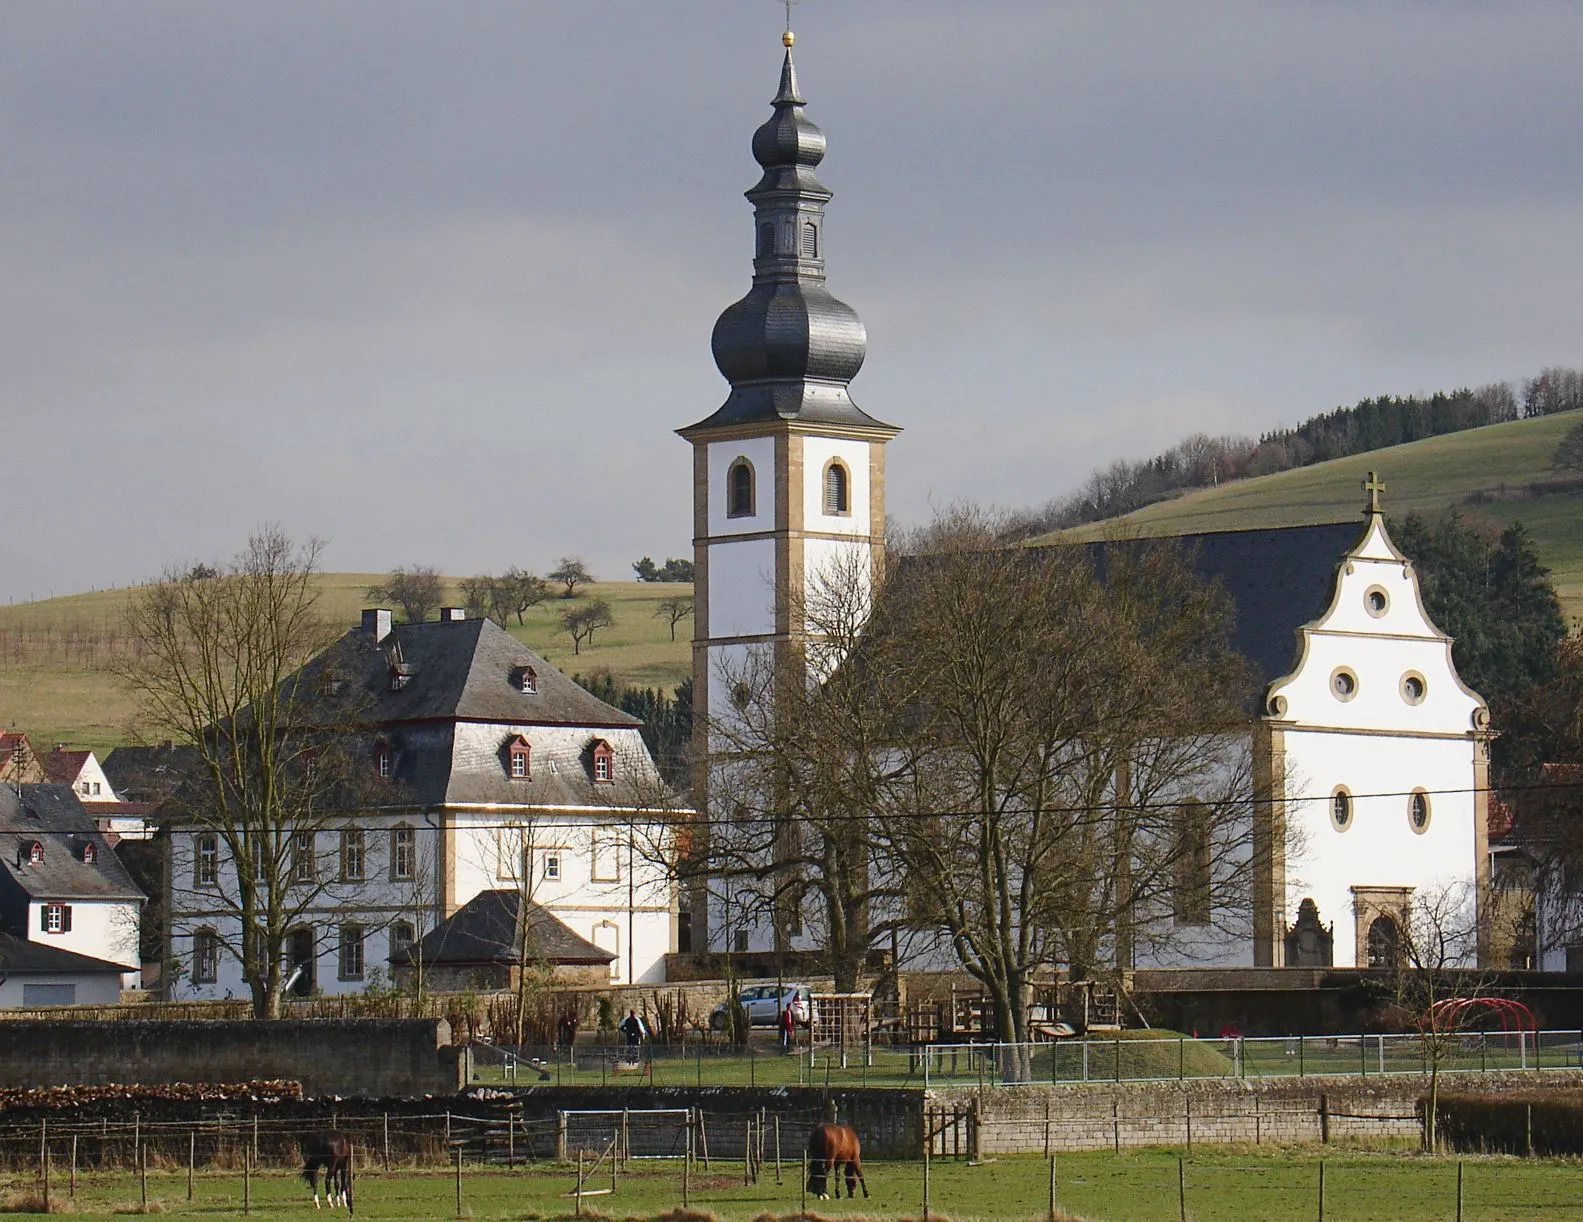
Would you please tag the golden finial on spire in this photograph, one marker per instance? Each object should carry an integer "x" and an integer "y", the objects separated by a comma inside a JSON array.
[{"x": 788, "y": 38}]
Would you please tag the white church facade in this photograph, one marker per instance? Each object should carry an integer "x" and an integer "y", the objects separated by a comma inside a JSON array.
[{"x": 1368, "y": 754}]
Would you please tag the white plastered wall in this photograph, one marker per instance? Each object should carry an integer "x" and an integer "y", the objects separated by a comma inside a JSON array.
[
  {"x": 760, "y": 452},
  {"x": 818, "y": 453},
  {"x": 100, "y": 929},
  {"x": 741, "y": 588}
]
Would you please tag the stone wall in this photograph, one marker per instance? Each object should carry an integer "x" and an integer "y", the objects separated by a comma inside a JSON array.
[
  {"x": 367, "y": 1057},
  {"x": 890, "y": 1121},
  {"x": 1095, "y": 1116}
]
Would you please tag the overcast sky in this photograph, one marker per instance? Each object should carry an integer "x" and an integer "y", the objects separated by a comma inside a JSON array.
[{"x": 436, "y": 281}]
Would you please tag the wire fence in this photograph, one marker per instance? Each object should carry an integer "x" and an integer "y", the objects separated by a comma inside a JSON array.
[{"x": 1134, "y": 1057}]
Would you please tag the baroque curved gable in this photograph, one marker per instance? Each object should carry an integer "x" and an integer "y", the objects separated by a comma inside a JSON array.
[{"x": 1375, "y": 660}]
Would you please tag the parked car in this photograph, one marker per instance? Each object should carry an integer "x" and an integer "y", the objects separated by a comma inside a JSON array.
[{"x": 763, "y": 1004}]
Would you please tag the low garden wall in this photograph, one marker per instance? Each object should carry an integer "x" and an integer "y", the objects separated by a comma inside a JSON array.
[{"x": 367, "y": 1057}]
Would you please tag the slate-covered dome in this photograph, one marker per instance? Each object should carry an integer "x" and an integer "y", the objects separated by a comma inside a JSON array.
[{"x": 789, "y": 330}]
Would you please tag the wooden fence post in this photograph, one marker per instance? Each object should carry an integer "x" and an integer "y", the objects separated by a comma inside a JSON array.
[
  {"x": 459, "y": 1177},
  {"x": 777, "y": 1148},
  {"x": 74, "y": 1166},
  {"x": 1181, "y": 1187},
  {"x": 247, "y": 1181},
  {"x": 192, "y": 1159},
  {"x": 925, "y": 1182},
  {"x": 579, "y": 1189},
  {"x": 387, "y": 1141},
  {"x": 43, "y": 1159},
  {"x": 142, "y": 1176},
  {"x": 1052, "y": 1190}
]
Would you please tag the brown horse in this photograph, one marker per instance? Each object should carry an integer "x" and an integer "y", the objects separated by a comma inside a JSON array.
[
  {"x": 333, "y": 1152},
  {"x": 829, "y": 1147}
]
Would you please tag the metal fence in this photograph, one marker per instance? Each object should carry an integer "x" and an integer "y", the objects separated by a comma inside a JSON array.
[
  {"x": 1130, "y": 1057},
  {"x": 1140, "y": 1058}
]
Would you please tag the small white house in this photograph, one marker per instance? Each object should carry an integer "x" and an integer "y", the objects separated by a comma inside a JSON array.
[{"x": 62, "y": 887}]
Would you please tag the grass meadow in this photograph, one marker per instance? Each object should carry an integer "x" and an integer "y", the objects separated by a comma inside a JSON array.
[
  {"x": 1501, "y": 472},
  {"x": 57, "y": 655},
  {"x": 1223, "y": 1185}
]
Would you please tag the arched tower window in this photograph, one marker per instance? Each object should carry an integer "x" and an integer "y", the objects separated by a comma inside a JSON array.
[
  {"x": 810, "y": 240},
  {"x": 837, "y": 489},
  {"x": 739, "y": 490}
]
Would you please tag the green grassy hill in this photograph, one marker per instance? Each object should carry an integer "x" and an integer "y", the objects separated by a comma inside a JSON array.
[
  {"x": 56, "y": 655},
  {"x": 1500, "y": 473}
]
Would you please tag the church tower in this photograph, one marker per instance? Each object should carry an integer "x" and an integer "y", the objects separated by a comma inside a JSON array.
[{"x": 789, "y": 473}]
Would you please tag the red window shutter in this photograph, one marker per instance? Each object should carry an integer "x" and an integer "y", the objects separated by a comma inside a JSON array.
[{"x": 65, "y": 918}]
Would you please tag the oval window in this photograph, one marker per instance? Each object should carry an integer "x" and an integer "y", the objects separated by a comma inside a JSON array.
[
  {"x": 1414, "y": 687},
  {"x": 1418, "y": 810},
  {"x": 1341, "y": 809},
  {"x": 1376, "y": 601},
  {"x": 1343, "y": 683}
]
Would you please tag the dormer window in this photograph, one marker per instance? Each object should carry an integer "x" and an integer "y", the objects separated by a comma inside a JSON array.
[
  {"x": 519, "y": 759},
  {"x": 739, "y": 490},
  {"x": 604, "y": 759},
  {"x": 33, "y": 852},
  {"x": 400, "y": 676},
  {"x": 90, "y": 853},
  {"x": 384, "y": 760},
  {"x": 528, "y": 680}
]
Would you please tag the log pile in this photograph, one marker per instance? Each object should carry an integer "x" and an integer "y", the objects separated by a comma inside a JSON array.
[{"x": 58, "y": 1097}]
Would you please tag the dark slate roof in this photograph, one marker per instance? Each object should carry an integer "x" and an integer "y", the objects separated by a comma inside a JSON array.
[
  {"x": 486, "y": 928},
  {"x": 52, "y": 815},
  {"x": 1279, "y": 578},
  {"x": 20, "y": 957},
  {"x": 147, "y": 774},
  {"x": 462, "y": 669}
]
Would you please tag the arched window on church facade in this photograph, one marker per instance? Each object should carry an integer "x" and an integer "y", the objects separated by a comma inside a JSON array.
[
  {"x": 740, "y": 490},
  {"x": 837, "y": 489}
]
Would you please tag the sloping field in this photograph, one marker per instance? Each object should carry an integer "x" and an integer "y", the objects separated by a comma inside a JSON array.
[
  {"x": 1501, "y": 473},
  {"x": 57, "y": 655}
]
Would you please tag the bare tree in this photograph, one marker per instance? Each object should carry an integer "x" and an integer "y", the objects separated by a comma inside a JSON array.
[
  {"x": 526, "y": 590},
  {"x": 1070, "y": 749},
  {"x": 418, "y": 591},
  {"x": 571, "y": 572},
  {"x": 582, "y": 623},
  {"x": 673, "y": 611},
  {"x": 275, "y": 755},
  {"x": 1434, "y": 978}
]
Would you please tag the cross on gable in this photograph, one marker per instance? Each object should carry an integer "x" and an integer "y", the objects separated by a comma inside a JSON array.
[{"x": 1374, "y": 485}]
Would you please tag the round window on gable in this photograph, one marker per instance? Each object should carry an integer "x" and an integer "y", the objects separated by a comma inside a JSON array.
[
  {"x": 1376, "y": 601},
  {"x": 741, "y": 694},
  {"x": 1414, "y": 687},
  {"x": 1418, "y": 810},
  {"x": 1341, "y": 809},
  {"x": 1343, "y": 683}
]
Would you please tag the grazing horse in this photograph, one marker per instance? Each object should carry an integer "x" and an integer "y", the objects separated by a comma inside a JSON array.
[
  {"x": 829, "y": 1147},
  {"x": 333, "y": 1152}
]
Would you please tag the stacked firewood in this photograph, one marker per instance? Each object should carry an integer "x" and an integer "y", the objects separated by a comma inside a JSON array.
[{"x": 269, "y": 1091}]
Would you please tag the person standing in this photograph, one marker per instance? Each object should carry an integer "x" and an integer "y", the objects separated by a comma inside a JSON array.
[
  {"x": 788, "y": 1029},
  {"x": 632, "y": 1028}
]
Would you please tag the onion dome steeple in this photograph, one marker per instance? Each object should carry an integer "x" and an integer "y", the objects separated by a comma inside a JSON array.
[{"x": 789, "y": 348}]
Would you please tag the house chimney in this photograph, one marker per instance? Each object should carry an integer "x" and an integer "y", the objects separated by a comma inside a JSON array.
[
  {"x": 376, "y": 622},
  {"x": 452, "y": 615}
]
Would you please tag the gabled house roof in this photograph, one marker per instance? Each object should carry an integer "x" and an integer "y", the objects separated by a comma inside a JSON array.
[
  {"x": 488, "y": 930},
  {"x": 148, "y": 773},
  {"x": 20, "y": 957},
  {"x": 52, "y": 816},
  {"x": 460, "y": 703},
  {"x": 460, "y": 669},
  {"x": 62, "y": 767}
]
